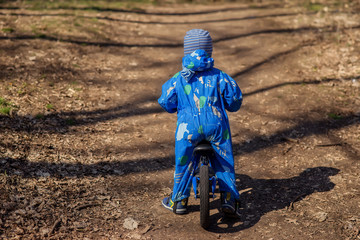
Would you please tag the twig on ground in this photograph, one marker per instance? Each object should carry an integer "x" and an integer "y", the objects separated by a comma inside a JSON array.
[
  {"x": 287, "y": 150},
  {"x": 87, "y": 205},
  {"x": 329, "y": 145},
  {"x": 55, "y": 225},
  {"x": 291, "y": 206},
  {"x": 290, "y": 139}
]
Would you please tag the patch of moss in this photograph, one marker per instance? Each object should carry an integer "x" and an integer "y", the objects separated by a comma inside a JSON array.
[
  {"x": 8, "y": 30},
  {"x": 335, "y": 116},
  {"x": 6, "y": 107},
  {"x": 316, "y": 7}
]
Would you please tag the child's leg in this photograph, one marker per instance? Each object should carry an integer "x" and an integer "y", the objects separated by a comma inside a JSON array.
[
  {"x": 183, "y": 170},
  {"x": 223, "y": 166}
]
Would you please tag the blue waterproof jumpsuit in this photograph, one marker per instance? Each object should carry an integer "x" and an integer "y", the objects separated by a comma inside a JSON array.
[{"x": 200, "y": 94}]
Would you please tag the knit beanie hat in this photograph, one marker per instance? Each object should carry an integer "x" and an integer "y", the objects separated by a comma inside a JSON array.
[{"x": 197, "y": 39}]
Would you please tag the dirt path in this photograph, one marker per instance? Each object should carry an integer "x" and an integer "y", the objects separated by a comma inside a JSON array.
[{"x": 87, "y": 153}]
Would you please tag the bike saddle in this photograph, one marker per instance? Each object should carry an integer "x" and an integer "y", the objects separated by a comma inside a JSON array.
[{"x": 203, "y": 148}]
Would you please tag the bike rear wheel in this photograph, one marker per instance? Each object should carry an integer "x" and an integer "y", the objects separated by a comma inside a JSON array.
[{"x": 204, "y": 196}]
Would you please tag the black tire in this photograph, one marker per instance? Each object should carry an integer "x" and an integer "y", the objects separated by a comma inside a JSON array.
[{"x": 204, "y": 196}]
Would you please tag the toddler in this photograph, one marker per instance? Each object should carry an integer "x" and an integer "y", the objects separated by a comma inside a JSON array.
[{"x": 200, "y": 94}]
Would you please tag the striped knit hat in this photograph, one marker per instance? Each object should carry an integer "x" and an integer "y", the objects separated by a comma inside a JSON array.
[{"x": 197, "y": 39}]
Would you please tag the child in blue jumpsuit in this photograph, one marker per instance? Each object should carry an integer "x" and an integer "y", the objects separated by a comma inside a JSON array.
[{"x": 200, "y": 94}]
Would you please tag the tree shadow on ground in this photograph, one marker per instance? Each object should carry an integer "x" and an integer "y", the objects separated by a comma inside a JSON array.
[
  {"x": 27, "y": 169},
  {"x": 299, "y": 131},
  {"x": 61, "y": 122},
  {"x": 23, "y": 167},
  {"x": 325, "y": 29},
  {"x": 144, "y": 12},
  {"x": 271, "y": 58},
  {"x": 265, "y": 195},
  {"x": 252, "y": 17},
  {"x": 107, "y": 18},
  {"x": 324, "y": 80}
]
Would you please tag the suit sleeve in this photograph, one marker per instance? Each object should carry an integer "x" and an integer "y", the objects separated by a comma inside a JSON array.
[
  {"x": 230, "y": 92},
  {"x": 168, "y": 99}
]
